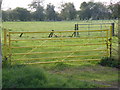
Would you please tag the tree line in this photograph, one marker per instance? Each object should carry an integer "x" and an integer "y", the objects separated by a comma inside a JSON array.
[{"x": 87, "y": 10}]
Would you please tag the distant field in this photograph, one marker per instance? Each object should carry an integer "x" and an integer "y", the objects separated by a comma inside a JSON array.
[{"x": 47, "y": 26}]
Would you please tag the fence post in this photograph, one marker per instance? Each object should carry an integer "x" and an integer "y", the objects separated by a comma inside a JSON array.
[
  {"x": 77, "y": 30},
  {"x": 110, "y": 41},
  {"x": 5, "y": 44},
  {"x": 10, "y": 47},
  {"x": 107, "y": 43},
  {"x": 113, "y": 31},
  {"x": 74, "y": 33}
]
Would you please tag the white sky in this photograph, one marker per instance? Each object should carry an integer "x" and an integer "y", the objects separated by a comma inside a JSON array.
[{"x": 24, "y": 3}]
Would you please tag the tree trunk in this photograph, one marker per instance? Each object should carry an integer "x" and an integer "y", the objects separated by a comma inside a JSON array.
[
  {"x": 0, "y": 34},
  {"x": 0, "y": 46},
  {"x": 119, "y": 39}
]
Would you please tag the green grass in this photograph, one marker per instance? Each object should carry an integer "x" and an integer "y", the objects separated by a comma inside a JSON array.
[{"x": 58, "y": 75}]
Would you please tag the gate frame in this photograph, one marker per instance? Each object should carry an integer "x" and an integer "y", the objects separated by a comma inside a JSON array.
[
  {"x": 8, "y": 33},
  {"x": 77, "y": 27}
]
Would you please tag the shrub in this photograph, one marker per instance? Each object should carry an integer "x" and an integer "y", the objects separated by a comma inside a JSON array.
[
  {"x": 25, "y": 77},
  {"x": 107, "y": 61},
  {"x": 61, "y": 66}
]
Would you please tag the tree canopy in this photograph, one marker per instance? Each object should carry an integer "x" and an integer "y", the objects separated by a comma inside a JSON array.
[
  {"x": 87, "y": 10},
  {"x": 50, "y": 12},
  {"x": 68, "y": 12}
]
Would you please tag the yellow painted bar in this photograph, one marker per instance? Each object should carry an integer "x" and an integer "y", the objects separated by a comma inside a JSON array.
[
  {"x": 47, "y": 62},
  {"x": 56, "y": 39},
  {"x": 56, "y": 52},
  {"x": 59, "y": 45},
  {"x": 92, "y": 26},
  {"x": 61, "y": 31},
  {"x": 29, "y": 59}
]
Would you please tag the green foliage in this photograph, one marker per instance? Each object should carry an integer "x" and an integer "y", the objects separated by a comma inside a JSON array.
[
  {"x": 68, "y": 11},
  {"x": 93, "y": 10},
  {"x": 61, "y": 82},
  {"x": 16, "y": 14},
  {"x": 22, "y": 14},
  {"x": 61, "y": 66},
  {"x": 88, "y": 10},
  {"x": 33, "y": 77},
  {"x": 50, "y": 12},
  {"x": 25, "y": 77},
  {"x": 115, "y": 10},
  {"x": 106, "y": 61}
]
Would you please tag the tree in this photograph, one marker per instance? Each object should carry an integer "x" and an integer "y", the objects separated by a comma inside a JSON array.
[
  {"x": 50, "y": 12},
  {"x": 84, "y": 11},
  {"x": 93, "y": 10},
  {"x": 21, "y": 13},
  {"x": 0, "y": 4},
  {"x": 119, "y": 39},
  {"x": 68, "y": 11},
  {"x": 9, "y": 15},
  {"x": 38, "y": 14},
  {"x": 4, "y": 16},
  {"x": 16, "y": 14},
  {"x": 99, "y": 11},
  {"x": 115, "y": 10},
  {"x": 0, "y": 49}
]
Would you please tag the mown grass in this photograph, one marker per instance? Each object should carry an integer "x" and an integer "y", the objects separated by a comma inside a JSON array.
[{"x": 59, "y": 75}]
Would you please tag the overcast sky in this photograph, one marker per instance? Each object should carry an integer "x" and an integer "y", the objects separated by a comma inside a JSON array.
[{"x": 24, "y": 3}]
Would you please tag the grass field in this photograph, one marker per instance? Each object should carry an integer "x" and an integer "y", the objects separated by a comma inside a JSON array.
[{"x": 71, "y": 75}]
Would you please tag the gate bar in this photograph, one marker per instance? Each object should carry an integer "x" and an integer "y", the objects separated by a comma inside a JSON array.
[
  {"x": 62, "y": 61},
  {"x": 57, "y": 52},
  {"x": 61, "y": 31},
  {"x": 57, "y": 38},
  {"x": 29, "y": 59},
  {"x": 57, "y": 45}
]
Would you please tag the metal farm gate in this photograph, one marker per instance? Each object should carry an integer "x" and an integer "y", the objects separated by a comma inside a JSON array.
[{"x": 57, "y": 46}]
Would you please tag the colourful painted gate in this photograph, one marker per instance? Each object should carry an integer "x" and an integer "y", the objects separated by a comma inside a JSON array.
[{"x": 57, "y": 46}]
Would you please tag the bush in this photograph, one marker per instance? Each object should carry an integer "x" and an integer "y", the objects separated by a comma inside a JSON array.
[
  {"x": 61, "y": 66},
  {"x": 25, "y": 77},
  {"x": 107, "y": 61}
]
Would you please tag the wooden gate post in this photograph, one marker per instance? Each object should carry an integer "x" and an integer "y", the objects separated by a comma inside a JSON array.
[
  {"x": 110, "y": 41},
  {"x": 113, "y": 31},
  {"x": 77, "y": 28},
  {"x": 5, "y": 44},
  {"x": 75, "y": 33}
]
